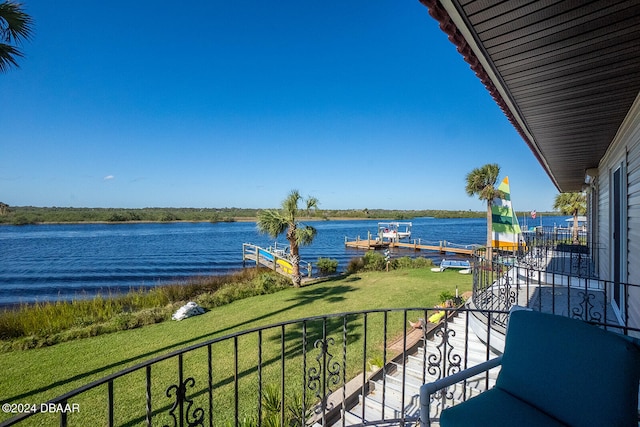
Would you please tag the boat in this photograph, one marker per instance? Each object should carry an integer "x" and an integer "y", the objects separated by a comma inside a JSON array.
[
  {"x": 582, "y": 223},
  {"x": 394, "y": 230},
  {"x": 280, "y": 254},
  {"x": 505, "y": 230},
  {"x": 463, "y": 266}
]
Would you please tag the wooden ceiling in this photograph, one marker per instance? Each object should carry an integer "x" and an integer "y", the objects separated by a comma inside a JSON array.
[{"x": 566, "y": 72}]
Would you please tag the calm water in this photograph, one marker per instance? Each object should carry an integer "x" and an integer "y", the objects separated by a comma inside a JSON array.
[{"x": 51, "y": 262}]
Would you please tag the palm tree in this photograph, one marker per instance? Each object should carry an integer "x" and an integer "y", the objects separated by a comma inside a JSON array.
[
  {"x": 481, "y": 182},
  {"x": 275, "y": 222},
  {"x": 571, "y": 204},
  {"x": 15, "y": 27}
]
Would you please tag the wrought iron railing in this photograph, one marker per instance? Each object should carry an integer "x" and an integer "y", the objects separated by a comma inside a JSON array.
[
  {"x": 309, "y": 371},
  {"x": 551, "y": 236},
  {"x": 552, "y": 276}
]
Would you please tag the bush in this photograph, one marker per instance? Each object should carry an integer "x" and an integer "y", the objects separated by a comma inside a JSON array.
[
  {"x": 327, "y": 266},
  {"x": 371, "y": 261},
  {"x": 355, "y": 265},
  {"x": 374, "y": 261},
  {"x": 403, "y": 262},
  {"x": 446, "y": 296},
  {"x": 407, "y": 262},
  {"x": 422, "y": 262}
]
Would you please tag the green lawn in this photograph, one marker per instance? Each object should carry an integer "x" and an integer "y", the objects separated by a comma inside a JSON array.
[{"x": 34, "y": 376}]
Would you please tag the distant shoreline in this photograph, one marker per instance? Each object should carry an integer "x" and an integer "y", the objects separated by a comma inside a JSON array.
[
  {"x": 29, "y": 215},
  {"x": 185, "y": 221}
]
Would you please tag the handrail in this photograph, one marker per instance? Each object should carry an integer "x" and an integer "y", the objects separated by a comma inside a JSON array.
[{"x": 426, "y": 390}]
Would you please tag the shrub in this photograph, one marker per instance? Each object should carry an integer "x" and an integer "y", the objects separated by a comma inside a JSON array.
[
  {"x": 422, "y": 262},
  {"x": 446, "y": 296},
  {"x": 327, "y": 266},
  {"x": 355, "y": 265},
  {"x": 268, "y": 283},
  {"x": 407, "y": 262},
  {"x": 403, "y": 262},
  {"x": 374, "y": 261}
]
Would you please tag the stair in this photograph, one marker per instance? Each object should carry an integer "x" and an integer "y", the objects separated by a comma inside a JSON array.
[{"x": 412, "y": 373}]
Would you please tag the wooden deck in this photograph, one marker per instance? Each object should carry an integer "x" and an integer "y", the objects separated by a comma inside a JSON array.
[{"x": 370, "y": 244}]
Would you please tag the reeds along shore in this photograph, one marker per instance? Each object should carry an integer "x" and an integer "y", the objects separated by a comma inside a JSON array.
[{"x": 42, "y": 324}]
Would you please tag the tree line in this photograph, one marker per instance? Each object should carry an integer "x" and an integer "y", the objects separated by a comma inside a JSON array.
[{"x": 24, "y": 215}]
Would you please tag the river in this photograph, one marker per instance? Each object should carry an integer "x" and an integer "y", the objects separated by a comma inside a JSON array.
[{"x": 62, "y": 262}]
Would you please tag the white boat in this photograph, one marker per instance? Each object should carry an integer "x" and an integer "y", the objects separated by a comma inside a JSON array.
[
  {"x": 394, "y": 230},
  {"x": 464, "y": 266}
]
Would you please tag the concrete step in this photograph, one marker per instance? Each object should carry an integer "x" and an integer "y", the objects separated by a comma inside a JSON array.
[
  {"x": 354, "y": 415},
  {"x": 474, "y": 355},
  {"x": 456, "y": 336},
  {"x": 415, "y": 375},
  {"x": 392, "y": 399},
  {"x": 412, "y": 385},
  {"x": 411, "y": 372},
  {"x": 392, "y": 407}
]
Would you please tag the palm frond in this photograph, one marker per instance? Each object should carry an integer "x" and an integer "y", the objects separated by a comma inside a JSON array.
[
  {"x": 571, "y": 203},
  {"x": 271, "y": 222},
  {"x": 290, "y": 205},
  {"x": 312, "y": 203},
  {"x": 8, "y": 56},
  {"x": 305, "y": 235},
  {"x": 15, "y": 25},
  {"x": 481, "y": 181}
]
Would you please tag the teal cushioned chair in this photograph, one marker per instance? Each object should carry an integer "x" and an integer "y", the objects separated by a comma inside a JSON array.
[{"x": 555, "y": 371}]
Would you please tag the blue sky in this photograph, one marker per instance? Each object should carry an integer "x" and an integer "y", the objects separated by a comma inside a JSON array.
[{"x": 203, "y": 103}]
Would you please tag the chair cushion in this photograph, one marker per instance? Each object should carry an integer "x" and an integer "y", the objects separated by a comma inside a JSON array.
[
  {"x": 495, "y": 408},
  {"x": 573, "y": 371}
]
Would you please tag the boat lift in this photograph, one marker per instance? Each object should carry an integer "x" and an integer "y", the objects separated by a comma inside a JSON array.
[{"x": 394, "y": 231}]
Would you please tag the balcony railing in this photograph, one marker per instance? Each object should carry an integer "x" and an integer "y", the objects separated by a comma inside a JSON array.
[
  {"x": 309, "y": 371},
  {"x": 555, "y": 277}
]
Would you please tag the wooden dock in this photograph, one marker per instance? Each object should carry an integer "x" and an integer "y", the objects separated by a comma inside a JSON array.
[
  {"x": 416, "y": 245},
  {"x": 272, "y": 260}
]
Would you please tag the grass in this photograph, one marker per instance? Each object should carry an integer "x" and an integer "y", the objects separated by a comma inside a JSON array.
[{"x": 36, "y": 375}]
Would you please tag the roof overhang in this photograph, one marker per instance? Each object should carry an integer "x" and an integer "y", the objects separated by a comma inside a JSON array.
[{"x": 564, "y": 73}]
